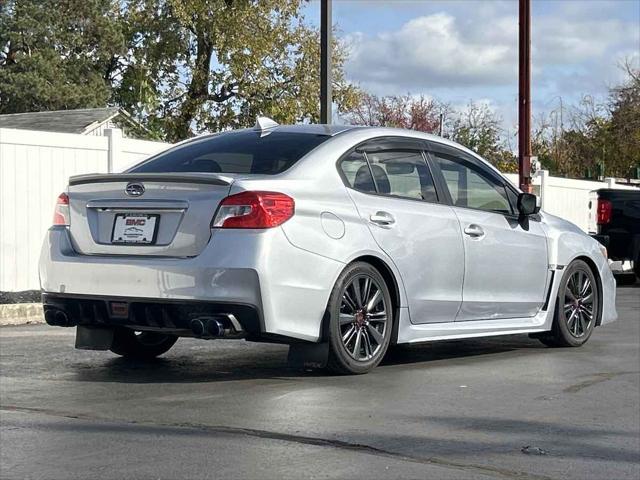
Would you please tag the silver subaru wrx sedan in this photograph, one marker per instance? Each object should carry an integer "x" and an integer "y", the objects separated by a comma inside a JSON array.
[{"x": 337, "y": 240}]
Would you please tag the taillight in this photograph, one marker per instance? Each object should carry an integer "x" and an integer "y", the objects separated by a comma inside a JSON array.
[
  {"x": 254, "y": 210},
  {"x": 61, "y": 212},
  {"x": 604, "y": 211}
]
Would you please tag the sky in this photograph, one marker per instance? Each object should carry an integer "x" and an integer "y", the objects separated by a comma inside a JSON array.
[{"x": 462, "y": 50}]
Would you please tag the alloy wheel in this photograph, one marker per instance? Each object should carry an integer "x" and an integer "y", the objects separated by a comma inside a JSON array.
[
  {"x": 363, "y": 318},
  {"x": 579, "y": 301}
]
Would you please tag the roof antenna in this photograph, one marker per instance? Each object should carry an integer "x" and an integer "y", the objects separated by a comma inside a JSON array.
[{"x": 265, "y": 123}]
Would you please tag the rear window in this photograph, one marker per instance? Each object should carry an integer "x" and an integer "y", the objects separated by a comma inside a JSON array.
[{"x": 245, "y": 151}]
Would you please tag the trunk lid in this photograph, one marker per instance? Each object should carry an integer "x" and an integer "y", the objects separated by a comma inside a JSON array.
[{"x": 154, "y": 214}]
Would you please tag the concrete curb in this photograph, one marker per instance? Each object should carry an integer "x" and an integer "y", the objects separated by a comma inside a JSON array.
[{"x": 21, "y": 313}]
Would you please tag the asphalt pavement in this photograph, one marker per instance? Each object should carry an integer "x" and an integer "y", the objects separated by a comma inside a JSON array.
[{"x": 502, "y": 407}]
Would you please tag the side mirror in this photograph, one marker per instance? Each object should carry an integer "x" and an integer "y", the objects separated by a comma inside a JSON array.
[{"x": 527, "y": 204}]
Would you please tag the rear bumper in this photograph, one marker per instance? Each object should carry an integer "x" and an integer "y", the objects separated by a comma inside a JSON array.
[
  {"x": 144, "y": 314},
  {"x": 63, "y": 271},
  {"x": 250, "y": 271}
]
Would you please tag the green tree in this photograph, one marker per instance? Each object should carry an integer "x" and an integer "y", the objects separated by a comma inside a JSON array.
[
  {"x": 217, "y": 64},
  {"x": 56, "y": 54}
]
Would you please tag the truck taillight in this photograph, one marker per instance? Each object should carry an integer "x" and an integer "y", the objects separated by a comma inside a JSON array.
[
  {"x": 61, "y": 212},
  {"x": 604, "y": 211},
  {"x": 254, "y": 210}
]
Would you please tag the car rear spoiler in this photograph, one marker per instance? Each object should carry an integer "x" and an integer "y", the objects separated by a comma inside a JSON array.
[{"x": 207, "y": 178}]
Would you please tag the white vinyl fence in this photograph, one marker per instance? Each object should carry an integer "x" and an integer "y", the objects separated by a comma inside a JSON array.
[{"x": 34, "y": 169}]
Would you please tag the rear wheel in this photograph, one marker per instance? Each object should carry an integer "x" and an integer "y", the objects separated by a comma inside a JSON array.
[
  {"x": 141, "y": 345},
  {"x": 577, "y": 308},
  {"x": 361, "y": 320}
]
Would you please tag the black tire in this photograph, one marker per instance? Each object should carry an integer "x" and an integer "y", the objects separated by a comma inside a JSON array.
[
  {"x": 359, "y": 346},
  {"x": 577, "y": 308},
  {"x": 549, "y": 340},
  {"x": 141, "y": 345}
]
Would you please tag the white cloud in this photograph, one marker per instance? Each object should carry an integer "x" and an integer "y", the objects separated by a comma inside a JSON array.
[
  {"x": 461, "y": 51},
  {"x": 560, "y": 40},
  {"x": 474, "y": 49},
  {"x": 428, "y": 51}
]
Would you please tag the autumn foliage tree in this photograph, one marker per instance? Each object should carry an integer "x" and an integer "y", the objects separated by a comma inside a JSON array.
[
  {"x": 479, "y": 128},
  {"x": 405, "y": 111},
  {"x": 217, "y": 64},
  {"x": 476, "y": 126},
  {"x": 594, "y": 138}
]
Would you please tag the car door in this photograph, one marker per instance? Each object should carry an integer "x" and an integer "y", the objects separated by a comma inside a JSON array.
[
  {"x": 394, "y": 193},
  {"x": 506, "y": 263}
]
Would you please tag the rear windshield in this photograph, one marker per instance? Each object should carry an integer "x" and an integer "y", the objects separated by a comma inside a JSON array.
[{"x": 245, "y": 151}]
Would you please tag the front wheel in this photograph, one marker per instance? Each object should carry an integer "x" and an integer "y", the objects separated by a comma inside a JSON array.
[
  {"x": 361, "y": 320},
  {"x": 577, "y": 308},
  {"x": 141, "y": 345}
]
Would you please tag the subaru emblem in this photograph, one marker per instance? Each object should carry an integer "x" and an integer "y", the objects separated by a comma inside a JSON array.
[{"x": 134, "y": 189}]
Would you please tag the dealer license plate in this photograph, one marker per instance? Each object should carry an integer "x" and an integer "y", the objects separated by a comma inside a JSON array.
[{"x": 135, "y": 228}]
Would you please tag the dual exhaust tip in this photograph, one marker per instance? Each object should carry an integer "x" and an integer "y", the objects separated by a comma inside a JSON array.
[
  {"x": 202, "y": 327},
  {"x": 207, "y": 327}
]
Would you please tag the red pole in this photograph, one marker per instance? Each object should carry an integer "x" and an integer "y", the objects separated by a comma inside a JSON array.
[{"x": 524, "y": 97}]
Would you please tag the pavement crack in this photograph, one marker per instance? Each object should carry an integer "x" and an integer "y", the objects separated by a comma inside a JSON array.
[
  {"x": 301, "y": 439},
  {"x": 596, "y": 378}
]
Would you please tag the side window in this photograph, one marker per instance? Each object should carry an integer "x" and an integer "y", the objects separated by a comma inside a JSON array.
[
  {"x": 402, "y": 174},
  {"x": 470, "y": 187},
  {"x": 357, "y": 172}
]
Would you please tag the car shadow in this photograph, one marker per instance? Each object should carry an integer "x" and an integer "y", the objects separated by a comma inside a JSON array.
[
  {"x": 462, "y": 349},
  {"x": 243, "y": 361}
]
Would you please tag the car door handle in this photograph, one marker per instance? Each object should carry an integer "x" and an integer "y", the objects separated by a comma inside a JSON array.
[
  {"x": 474, "y": 231},
  {"x": 382, "y": 218}
]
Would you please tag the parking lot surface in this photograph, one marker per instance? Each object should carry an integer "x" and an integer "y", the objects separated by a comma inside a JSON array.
[{"x": 503, "y": 407}]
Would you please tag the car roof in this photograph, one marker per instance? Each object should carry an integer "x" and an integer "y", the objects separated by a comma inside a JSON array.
[
  {"x": 370, "y": 132},
  {"x": 333, "y": 130},
  {"x": 315, "y": 128}
]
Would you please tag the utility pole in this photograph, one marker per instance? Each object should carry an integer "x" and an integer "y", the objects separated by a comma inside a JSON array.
[
  {"x": 325, "y": 61},
  {"x": 524, "y": 97}
]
